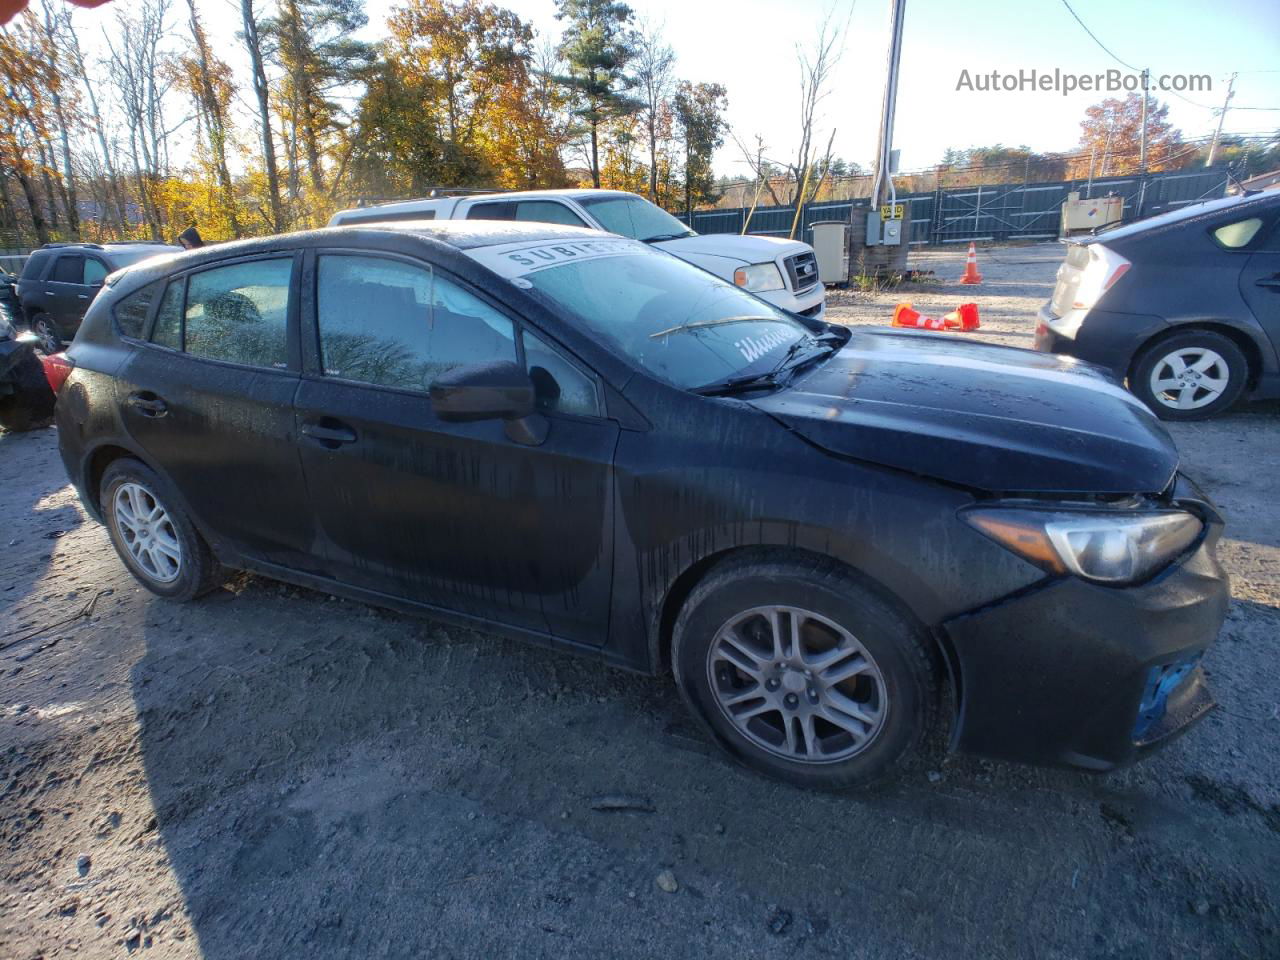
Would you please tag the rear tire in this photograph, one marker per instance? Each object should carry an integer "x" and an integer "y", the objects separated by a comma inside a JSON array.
[
  {"x": 856, "y": 700},
  {"x": 47, "y": 333},
  {"x": 1191, "y": 375},
  {"x": 153, "y": 534}
]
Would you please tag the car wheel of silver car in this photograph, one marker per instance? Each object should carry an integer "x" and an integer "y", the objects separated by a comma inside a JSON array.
[
  {"x": 1190, "y": 375},
  {"x": 152, "y": 534},
  {"x": 46, "y": 332},
  {"x": 804, "y": 672}
]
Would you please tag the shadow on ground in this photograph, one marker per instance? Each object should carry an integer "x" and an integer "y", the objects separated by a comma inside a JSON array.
[{"x": 329, "y": 779}]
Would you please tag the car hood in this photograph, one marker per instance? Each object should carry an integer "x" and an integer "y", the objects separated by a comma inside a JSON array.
[
  {"x": 745, "y": 248},
  {"x": 992, "y": 418}
]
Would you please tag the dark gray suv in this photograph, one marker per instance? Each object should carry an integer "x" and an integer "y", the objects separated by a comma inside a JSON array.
[{"x": 60, "y": 280}]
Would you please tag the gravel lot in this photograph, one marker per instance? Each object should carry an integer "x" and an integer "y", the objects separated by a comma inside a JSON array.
[{"x": 272, "y": 773}]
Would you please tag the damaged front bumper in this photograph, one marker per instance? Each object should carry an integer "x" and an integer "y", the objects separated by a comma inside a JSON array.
[{"x": 1073, "y": 673}]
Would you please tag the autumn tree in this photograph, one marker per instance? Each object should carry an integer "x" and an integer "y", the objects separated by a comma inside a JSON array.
[
  {"x": 1000, "y": 164},
  {"x": 62, "y": 100},
  {"x": 25, "y": 116},
  {"x": 1111, "y": 132},
  {"x": 699, "y": 110},
  {"x": 208, "y": 80},
  {"x": 457, "y": 100},
  {"x": 254, "y": 45},
  {"x": 597, "y": 46}
]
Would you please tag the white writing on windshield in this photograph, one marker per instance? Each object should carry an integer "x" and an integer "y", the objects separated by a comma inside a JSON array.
[{"x": 753, "y": 348}]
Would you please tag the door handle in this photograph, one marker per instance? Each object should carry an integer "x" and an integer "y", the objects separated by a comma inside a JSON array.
[
  {"x": 330, "y": 434},
  {"x": 82, "y": 296},
  {"x": 1269, "y": 282},
  {"x": 148, "y": 404}
]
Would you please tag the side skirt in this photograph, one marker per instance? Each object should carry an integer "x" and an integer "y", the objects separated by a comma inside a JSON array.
[{"x": 425, "y": 610}]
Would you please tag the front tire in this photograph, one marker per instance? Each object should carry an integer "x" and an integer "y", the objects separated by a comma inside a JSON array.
[
  {"x": 1191, "y": 375},
  {"x": 803, "y": 672},
  {"x": 153, "y": 535}
]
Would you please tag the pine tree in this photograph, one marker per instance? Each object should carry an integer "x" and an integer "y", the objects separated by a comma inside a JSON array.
[{"x": 597, "y": 45}]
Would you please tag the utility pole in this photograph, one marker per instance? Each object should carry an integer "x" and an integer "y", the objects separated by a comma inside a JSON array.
[
  {"x": 1142, "y": 142},
  {"x": 1222, "y": 115},
  {"x": 1142, "y": 150},
  {"x": 879, "y": 182}
]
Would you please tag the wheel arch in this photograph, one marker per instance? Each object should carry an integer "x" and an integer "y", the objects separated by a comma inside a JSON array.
[
  {"x": 688, "y": 580},
  {"x": 95, "y": 466}
]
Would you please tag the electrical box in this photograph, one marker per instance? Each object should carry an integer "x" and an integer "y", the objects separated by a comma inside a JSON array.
[
  {"x": 831, "y": 245},
  {"x": 891, "y": 233},
  {"x": 873, "y": 228},
  {"x": 1086, "y": 216}
]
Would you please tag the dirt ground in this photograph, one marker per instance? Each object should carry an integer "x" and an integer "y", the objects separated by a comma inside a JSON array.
[{"x": 273, "y": 773}]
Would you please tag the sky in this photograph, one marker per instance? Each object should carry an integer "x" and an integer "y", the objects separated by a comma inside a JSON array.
[{"x": 750, "y": 47}]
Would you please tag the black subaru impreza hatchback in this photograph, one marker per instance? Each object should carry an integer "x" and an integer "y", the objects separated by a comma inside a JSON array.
[{"x": 566, "y": 436}]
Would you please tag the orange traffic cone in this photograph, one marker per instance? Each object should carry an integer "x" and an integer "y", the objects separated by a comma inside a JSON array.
[
  {"x": 971, "y": 274},
  {"x": 964, "y": 318},
  {"x": 904, "y": 316}
]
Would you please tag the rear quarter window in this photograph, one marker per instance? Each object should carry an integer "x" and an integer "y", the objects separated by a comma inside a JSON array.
[
  {"x": 34, "y": 267},
  {"x": 1233, "y": 236},
  {"x": 131, "y": 312}
]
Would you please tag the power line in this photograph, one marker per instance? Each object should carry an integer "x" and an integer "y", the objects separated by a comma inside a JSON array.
[
  {"x": 1190, "y": 144},
  {"x": 1107, "y": 49}
]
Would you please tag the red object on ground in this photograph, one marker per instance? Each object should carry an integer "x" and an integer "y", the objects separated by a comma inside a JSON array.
[
  {"x": 971, "y": 274},
  {"x": 964, "y": 318},
  {"x": 57, "y": 367},
  {"x": 904, "y": 316}
]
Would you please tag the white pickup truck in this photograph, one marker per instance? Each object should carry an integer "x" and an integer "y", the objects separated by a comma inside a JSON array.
[{"x": 784, "y": 272}]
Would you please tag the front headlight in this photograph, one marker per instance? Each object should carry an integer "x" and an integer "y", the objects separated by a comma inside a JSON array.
[
  {"x": 1114, "y": 546},
  {"x": 758, "y": 277}
]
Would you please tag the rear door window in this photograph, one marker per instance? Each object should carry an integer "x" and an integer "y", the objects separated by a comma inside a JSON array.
[
  {"x": 67, "y": 269},
  {"x": 240, "y": 313},
  {"x": 547, "y": 211},
  {"x": 494, "y": 210},
  {"x": 401, "y": 325}
]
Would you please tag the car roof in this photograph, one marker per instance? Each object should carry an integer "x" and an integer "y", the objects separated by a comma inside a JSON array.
[
  {"x": 428, "y": 203},
  {"x": 457, "y": 234},
  {"x": 1241, "y": 205}
]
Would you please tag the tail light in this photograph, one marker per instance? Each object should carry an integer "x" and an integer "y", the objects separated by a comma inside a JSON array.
[
  {"x": 57, "y": 367},
  {"x": 1099, "y": 275}
]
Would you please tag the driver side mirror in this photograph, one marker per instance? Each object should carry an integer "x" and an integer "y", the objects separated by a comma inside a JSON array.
[{"x": 491, "y": 391}]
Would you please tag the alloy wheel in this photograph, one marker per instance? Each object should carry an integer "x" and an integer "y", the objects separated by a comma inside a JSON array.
[
  {"x": 147, "y": 532},
  {"x": 797, "y": 684},
  {"x": 1189, "y": 378},
  {"x": 50, "y": 342}
]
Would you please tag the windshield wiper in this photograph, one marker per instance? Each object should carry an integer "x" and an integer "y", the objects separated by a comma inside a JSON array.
[
  {"x": 826, "y": 340},
  {"x": 754, "y": 381},
  {"x": 780, "y": 370},
  {"x": 658, "y": 238},
  {"x": 708, "y": 323}
]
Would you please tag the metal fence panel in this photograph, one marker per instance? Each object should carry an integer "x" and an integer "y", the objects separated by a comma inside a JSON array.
[{"x": 986, "y": 212}]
